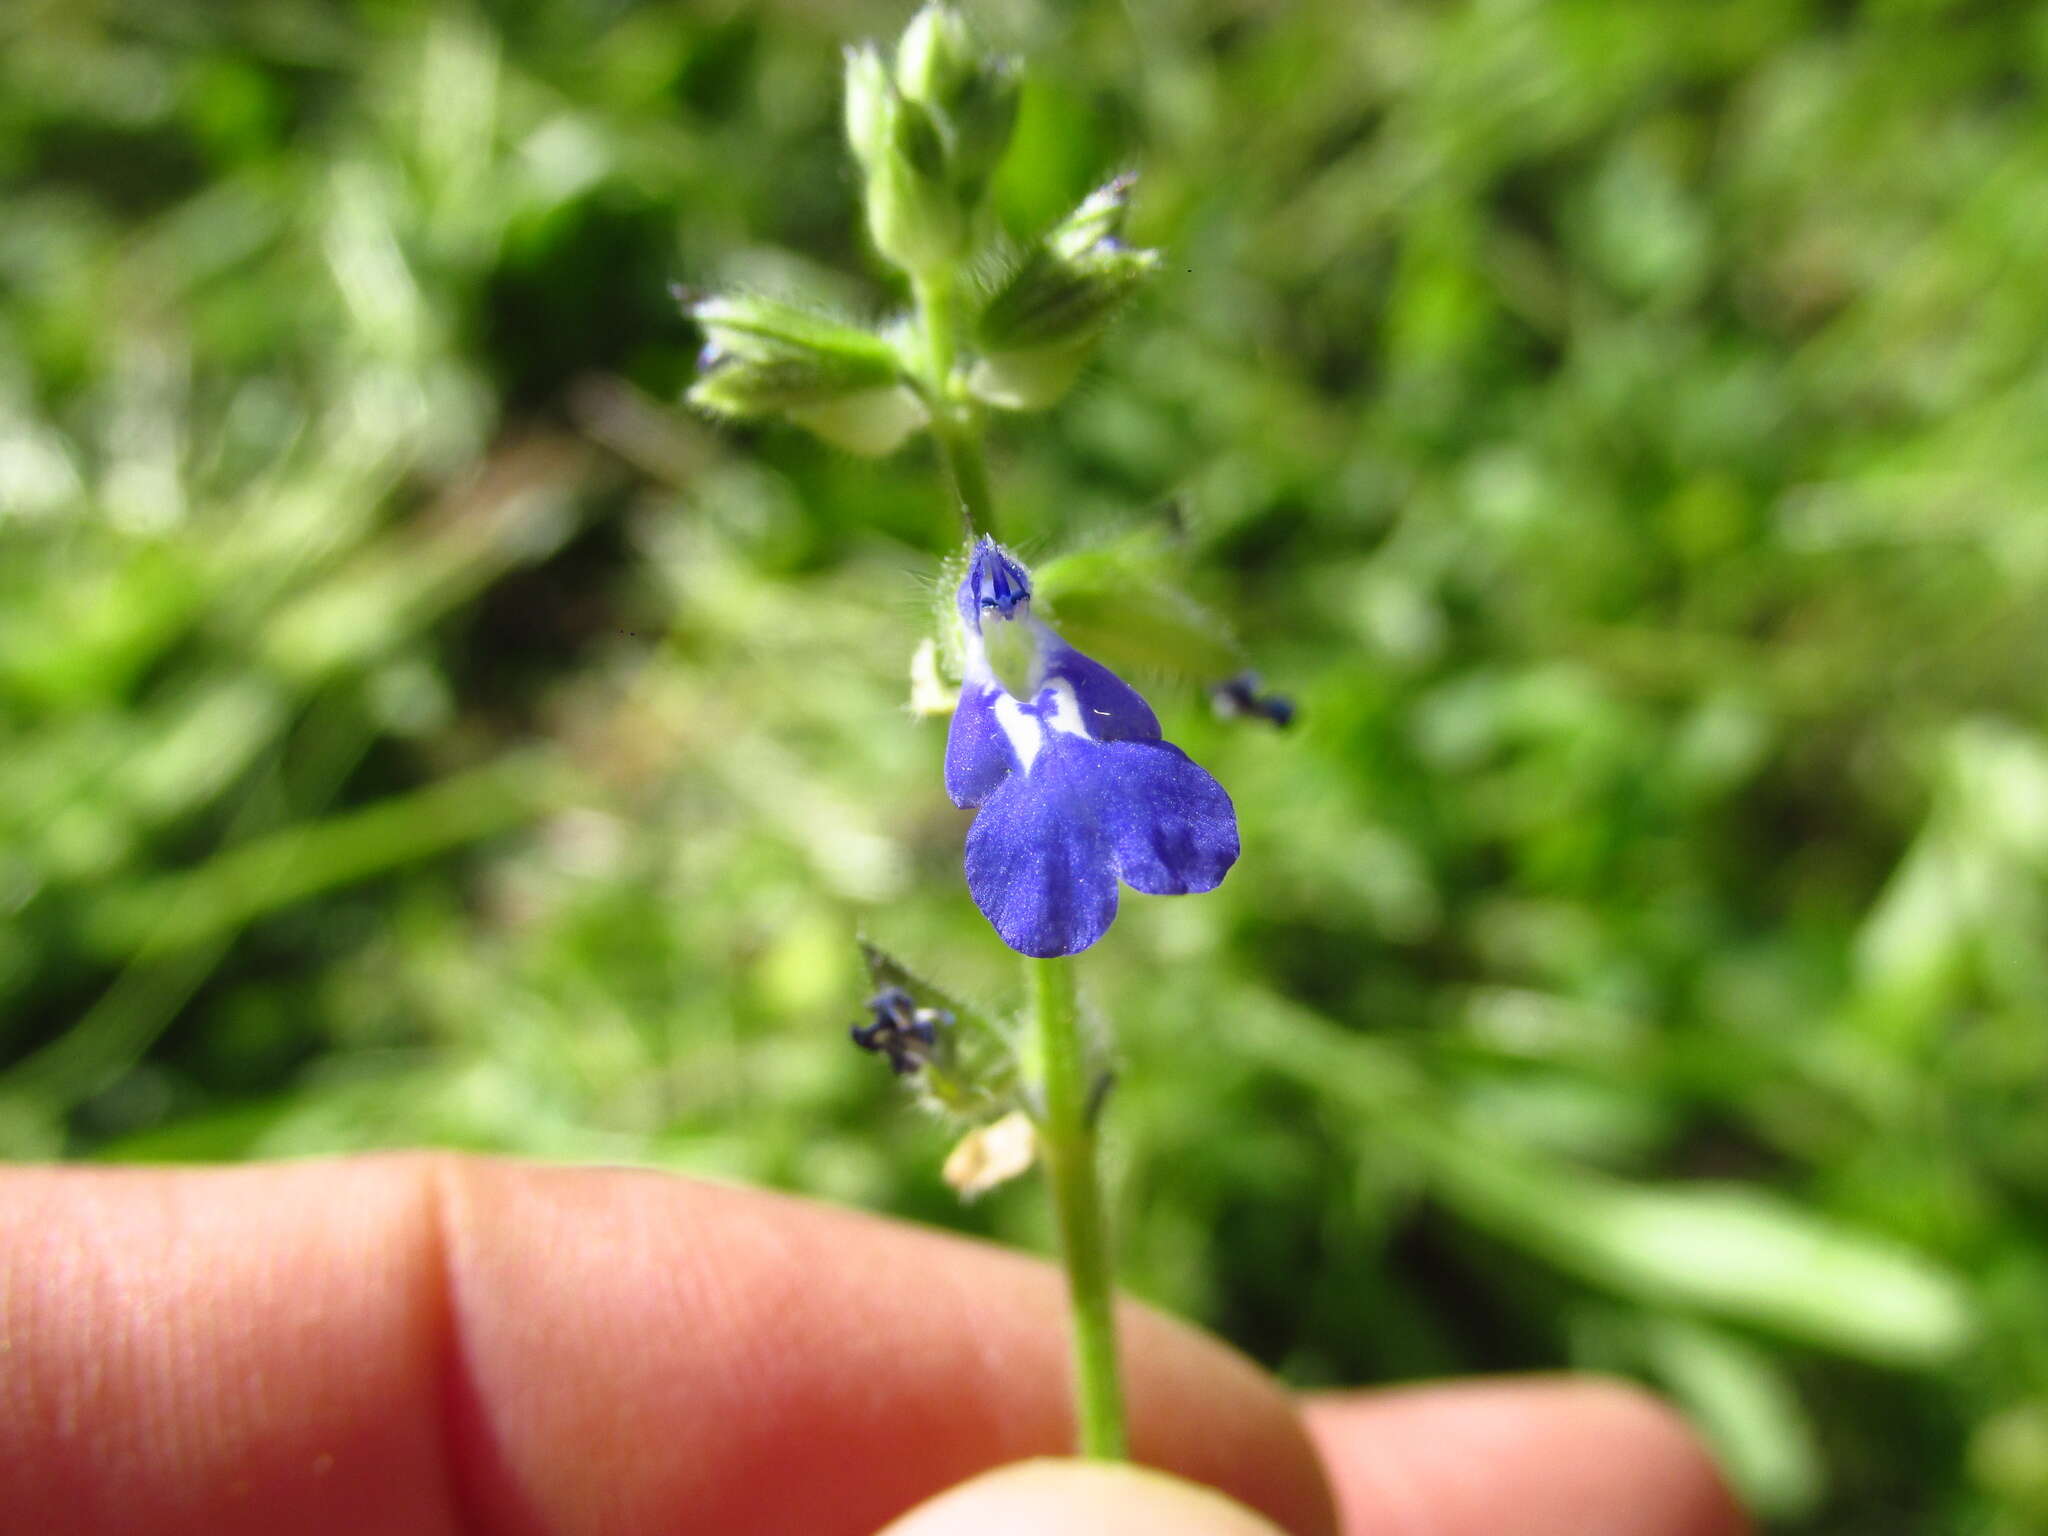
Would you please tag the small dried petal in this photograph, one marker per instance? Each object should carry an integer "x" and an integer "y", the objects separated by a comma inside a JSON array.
[
  {"x": 992, "y": 1154},
  {"x": 929, "y": 694}
]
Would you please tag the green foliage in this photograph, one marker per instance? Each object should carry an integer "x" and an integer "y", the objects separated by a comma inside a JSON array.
[
  {"x": 1617, "y": 426},
  {"x": 1125, "y": 602}
]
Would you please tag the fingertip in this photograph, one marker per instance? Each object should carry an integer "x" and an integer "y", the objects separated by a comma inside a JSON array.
[
  {"x": 600, "y": 1315},
  {"x": 1588, "y": 1456},
  {"x": 422, "y": 1345},
  {"x": 1079, "y": 1498},
  {"x": 222, "y": 1350}
]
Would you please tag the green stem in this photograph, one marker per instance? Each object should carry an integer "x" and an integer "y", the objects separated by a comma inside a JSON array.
[
  {"x": 1066, "y": 1136},
  {"x": 1066, "y": 1121},
  {"x": 956, "y": 420},
  {"x": 960, "y": 450},
  {"x": 937, "y": 324}
]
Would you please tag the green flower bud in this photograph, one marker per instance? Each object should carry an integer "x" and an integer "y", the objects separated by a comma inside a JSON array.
[
  {"x": 764, "y": 358},
  {"x": 914, "y": 216},
  {"x": 972, "y": 98},
  {"x": 982, "y": 117},
  {"x": 870, "y": 99},
  {"x": 1038, "y": 330},
  {"x": 1099, "y": 220},
  {"x": 935, "y": 57}
]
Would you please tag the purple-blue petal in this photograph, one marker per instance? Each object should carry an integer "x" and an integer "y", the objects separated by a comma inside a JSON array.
[
  {"x": 1039, "y": 861},
  {"x": 1046, "y": 852},
  {"x": 978, "y": 755},
  {"x": 1171, "y": 826},
  {"x": 1110, "y": 707}
]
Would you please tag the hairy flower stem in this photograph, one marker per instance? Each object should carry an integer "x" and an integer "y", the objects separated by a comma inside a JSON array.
[
  {"x": 1058, "y": 1064},
  {"x": 1066, "y": 1135},
  {"x": 938, "y": 323},
  {"x": 960, "y": 449},
  {"x": 956, "y": 418}
]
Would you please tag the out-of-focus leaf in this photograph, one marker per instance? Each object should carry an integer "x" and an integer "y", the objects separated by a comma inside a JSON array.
[
  {"x": 29, "y": 1129},
  {"x": 2009, "y": 1455},
  {"x": 176, "y": 911},
  {"x": 1124, "y": 604},
  {"x": 1729, "y": 1250},
  {"x": 1748, "y": 1409},
  {"x": 223, "y": 1135}
]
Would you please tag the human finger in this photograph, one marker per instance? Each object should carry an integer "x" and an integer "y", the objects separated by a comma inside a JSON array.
[
  {"x": 1558, "y": 1456},
  {"x": 1079, "y": 1498},
  {"x": 426, "y": 1345}
]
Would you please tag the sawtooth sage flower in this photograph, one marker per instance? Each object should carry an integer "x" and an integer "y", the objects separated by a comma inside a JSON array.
[{"x": 1074, "y": 785}]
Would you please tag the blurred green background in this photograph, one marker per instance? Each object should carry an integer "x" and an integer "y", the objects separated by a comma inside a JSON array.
[{"x": 1622, "y": 427}]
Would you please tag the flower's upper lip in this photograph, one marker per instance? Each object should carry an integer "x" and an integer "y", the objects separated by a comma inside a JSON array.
[{"x": 995, "y": 582}]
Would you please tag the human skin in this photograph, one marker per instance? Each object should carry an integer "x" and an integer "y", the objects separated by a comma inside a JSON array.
[{"x": 420, "y": 1345}]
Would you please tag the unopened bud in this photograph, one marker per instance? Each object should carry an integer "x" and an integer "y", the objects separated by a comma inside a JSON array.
[
  {"x": 982, "y": 117},
  {"x": 935, "y": 57},
  {"x": 870, "y": 96},
  {"x": 1099, "y": 220},
  {"x": 1240, "y": 696},
  {"x": 871, "y": 423},
  {"x": 972, "y": 97},
  {"x": 914, "y": 216},
  {"x": 1039, "y": 329},
  {"x": 764, "y": 358},
  {"x": 900, "y": 1030}
]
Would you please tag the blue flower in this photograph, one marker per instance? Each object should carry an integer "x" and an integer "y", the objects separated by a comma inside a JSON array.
[{"x": 1076, "y": 789}]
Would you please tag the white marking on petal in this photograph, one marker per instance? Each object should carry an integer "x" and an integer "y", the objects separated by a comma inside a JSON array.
[
  {"x": 1027, "y": 735},
  {"x": 974, "y": 667},
  {"x": 1066, "y": 710}
]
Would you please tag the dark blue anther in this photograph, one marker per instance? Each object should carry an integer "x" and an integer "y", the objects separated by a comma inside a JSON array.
[{"x": 902, "y": 1031}]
